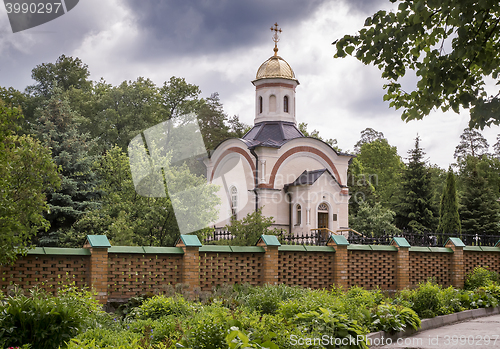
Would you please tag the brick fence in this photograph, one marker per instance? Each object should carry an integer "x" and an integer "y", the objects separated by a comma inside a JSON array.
[{"x": 119, "y": 272}]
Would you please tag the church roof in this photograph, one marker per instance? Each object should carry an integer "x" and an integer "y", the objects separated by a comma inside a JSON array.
[
  {"x": 275, "y": 67},
  {"x": 309, "y": 177},
  {"x": 271, "y": 134}
]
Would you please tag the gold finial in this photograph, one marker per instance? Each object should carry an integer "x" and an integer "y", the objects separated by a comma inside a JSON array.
[{"x": 276, "y": 37}]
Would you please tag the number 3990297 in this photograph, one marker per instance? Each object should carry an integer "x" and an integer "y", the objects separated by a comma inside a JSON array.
[{"x": 40, "y": 7}]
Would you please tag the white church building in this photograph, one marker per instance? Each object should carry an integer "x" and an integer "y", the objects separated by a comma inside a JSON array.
[{"x": 299, "y": 181}]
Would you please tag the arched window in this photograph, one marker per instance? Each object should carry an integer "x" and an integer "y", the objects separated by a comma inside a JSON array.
[
  {"x": 260, "y": 105},
  {"x": 285, "y": 104},
  {"x": 323, "y": 207},
  {"x": 299, "y": 215},
  {"x": 234, "y": 202},
  {"x": 272, "y": 103}
]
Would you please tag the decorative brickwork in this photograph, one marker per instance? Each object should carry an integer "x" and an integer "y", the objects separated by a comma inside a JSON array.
[
  {"x": 130, "y": 274},
  {"x": 46, "y": 271},
  {"x": 229, "y": 268},
  {"x": 122, "y": 272},
  {"x": 306, "y": 269},
  {"x": 369, "y": 269},
  {"x": 474, "y": 259},
  {"x": 425, "y": 265}
]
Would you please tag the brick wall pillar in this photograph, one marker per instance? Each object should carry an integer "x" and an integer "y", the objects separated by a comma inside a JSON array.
[
  {"x": 402, "y": 263},
  {"x": 457, "y": 266},
  {"x": 98, "y": 271},
  {"x": 271, "y": 259},
  {"x": 190, "y": 274},
  {"x": 341, "y": 263}
]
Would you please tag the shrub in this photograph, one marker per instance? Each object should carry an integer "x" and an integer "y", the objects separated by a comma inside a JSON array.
[
  {"x": 451, "y": 301},
  {"x": 332, "y": 324},
  {"x": 393, "y": 318},
  {"x": 42, "y": 320},
  {"x": 266, "y": 299},
  {"x": 426, "y": 300},
  {"x": 481, "y": 277},
  {"x": 107, "y": 338},
  {"x": 158, "y": 306}
]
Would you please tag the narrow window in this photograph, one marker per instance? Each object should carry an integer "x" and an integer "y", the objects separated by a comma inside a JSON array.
[
  {"x": 260, "y": 105},
  {"x": 299, "y": 215},
  {"x": 285, "y": 104},
  {"x": 272, "y": 103},
  {"x": 234, "y": 202}
]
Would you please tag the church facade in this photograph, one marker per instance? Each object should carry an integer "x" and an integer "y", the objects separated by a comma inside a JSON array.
[{"x": 299, "y": 181}]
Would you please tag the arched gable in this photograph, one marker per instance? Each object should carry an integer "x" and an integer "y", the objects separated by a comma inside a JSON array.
[
  {"x": 295, "y": 150},
  {"x": 230, "y": 151}
]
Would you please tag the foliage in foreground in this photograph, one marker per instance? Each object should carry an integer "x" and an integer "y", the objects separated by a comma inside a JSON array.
[
  {"x": 45, "y": 321},
  {"x": 239, "y": 316}
]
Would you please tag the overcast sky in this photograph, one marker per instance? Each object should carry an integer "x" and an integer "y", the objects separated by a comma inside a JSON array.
[{"x": 219, "y": 45}]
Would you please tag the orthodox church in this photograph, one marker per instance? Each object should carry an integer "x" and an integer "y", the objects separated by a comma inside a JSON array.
[{"x": 299, "y": 181}]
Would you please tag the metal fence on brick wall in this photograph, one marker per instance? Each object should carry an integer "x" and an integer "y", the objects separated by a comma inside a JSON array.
[{"x": 318, "y": 238}]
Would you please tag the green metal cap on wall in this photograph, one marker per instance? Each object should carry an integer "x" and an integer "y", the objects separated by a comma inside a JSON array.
[
  {"x": 401, "y": 242},
  {"x": 339, "y": 240},
  {"x": 455, "y": 241},
  {"x": 189, "y": 241},
  {"x": 269, "y": 240},
  {"x": 98, "y": 241}
]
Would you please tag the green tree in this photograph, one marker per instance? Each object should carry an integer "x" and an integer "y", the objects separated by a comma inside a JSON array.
[
  {"x": 368, "y": 135},
  {"x": 374, "y": 220},
  {"x": 453, "y": 46},
  {"x": 213, "y": 121},
  {"x": 360, "y": 187},
  {"x": 128, "y": 218},
  {"x": 487, "y": 166},
  {"x": 66, "y": 73},
  {"x": 449, "y": 219},
  {"x": 479, "y": 210},
  {"x": 57, "y": 128},
  {"x": 496, "y": 148},
  {"x": 414, "y": 209},
  {"x": 471, "y": 143},
  {"x": 247, "y": 231},
  {"x": 382, "y": 167},
  {"x": 26, "y": 172}
]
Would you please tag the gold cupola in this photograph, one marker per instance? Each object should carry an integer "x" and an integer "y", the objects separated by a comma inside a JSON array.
[{"x": 275, "y": 84}]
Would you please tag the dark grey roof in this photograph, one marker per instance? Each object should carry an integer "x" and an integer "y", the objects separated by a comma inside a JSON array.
[
  {"x": 271, "y": 134},
  {"x": 309, "y": 177}
]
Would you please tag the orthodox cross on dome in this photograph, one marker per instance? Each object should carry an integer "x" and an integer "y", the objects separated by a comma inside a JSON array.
[{"x": 276, "y": 38}]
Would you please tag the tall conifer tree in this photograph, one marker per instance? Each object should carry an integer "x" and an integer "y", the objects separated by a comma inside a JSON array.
[
  {"x": 479, "y": 211},
  {"x": 449, "y": 219},
  {"x": 415, "y": 209},
  {"x": 57, "y": 127}
]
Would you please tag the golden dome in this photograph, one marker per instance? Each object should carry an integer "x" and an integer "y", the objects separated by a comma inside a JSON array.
[{"x": 275, "y": 67}]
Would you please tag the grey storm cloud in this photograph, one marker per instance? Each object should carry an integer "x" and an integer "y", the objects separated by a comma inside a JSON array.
[
  {"x": 207, "y": 26},
  {"x": 201, "y": 26}
]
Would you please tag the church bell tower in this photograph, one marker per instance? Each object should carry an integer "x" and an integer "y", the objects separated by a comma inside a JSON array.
[{"x": 275, "y": 84}]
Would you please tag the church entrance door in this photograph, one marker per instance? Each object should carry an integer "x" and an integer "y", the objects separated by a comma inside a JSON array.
[{"x": 322, "y": 220}]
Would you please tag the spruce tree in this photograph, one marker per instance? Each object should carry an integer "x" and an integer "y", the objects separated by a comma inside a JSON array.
[
  {"x": 415, "y": 210},
  {"x": 479, "y": 211},
  {"x": 449, "y": 219},
  {"x": 57, "y": 127}
]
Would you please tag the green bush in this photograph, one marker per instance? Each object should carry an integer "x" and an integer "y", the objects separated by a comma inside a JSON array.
[
  {"x": 158, "y": 306},
  {"x": 42, "y": 320},
  {"x": 266, "y": 299},
  {"x": 426, "y": 300},
  {"x": 325, "y": 322},
  {"x": 107, "y": 338},
  {"x": 393, "y": 318},
  {"x": 452, "y": 300},
  {"x": 481, "y": 277}
]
